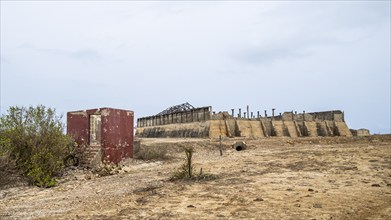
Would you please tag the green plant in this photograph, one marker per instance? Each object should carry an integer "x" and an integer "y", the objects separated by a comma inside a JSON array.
[
  {"x": 188, "y": 165},
  {"x": 33, "y": 139},
  {"x": 185, "y": 171}
]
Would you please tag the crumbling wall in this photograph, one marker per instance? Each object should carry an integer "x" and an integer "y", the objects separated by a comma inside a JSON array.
[
  {"x": 289, "y": 124},
  {"x": 116, "y": 133},
  {"x": 291, "y": 128},
  {"x": 194, "y": 130},
  {"x": 194, "y": 115},
  {"x": 360, "y": 132},
  {"x": 342, "y": 129}
]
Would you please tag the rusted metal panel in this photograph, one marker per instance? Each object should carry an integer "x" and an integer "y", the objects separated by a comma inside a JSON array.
[
  {"x": 116, "y": 132},
  {"x": 77, "y": 126}
]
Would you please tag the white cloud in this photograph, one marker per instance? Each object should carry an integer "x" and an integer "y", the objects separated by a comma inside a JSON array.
[{"x": 147, "y": 56}]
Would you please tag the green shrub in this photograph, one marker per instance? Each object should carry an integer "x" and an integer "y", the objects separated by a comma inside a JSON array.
[{"x": 33, "y": 139}]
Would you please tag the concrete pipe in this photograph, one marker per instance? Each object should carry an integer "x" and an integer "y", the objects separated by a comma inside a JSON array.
[{"x": 241, "y": 145}]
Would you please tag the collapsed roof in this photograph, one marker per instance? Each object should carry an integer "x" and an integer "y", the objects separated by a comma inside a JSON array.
[{"x": 177, "y": 108}]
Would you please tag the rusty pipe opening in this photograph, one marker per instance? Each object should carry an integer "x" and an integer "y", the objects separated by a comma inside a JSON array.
[{"x": 239, "y": 146}]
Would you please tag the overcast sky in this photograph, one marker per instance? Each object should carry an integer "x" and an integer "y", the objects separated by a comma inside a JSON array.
[{"x": 147, "y": 56}]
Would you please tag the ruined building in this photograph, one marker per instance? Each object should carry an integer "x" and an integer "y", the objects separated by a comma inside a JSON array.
[
  {"x": 105, "y": 134},
  {"x": 186, "y": 121}
]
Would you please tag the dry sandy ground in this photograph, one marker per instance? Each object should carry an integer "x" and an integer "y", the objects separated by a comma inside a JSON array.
[{"x": 274, "y": 178}]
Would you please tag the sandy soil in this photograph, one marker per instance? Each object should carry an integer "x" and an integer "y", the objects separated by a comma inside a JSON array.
[{"x": 274, "y": 178}]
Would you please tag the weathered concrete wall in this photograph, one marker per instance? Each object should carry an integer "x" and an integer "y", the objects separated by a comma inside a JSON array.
[
  {"x": 217, "y": 128},
  {"x": 195, "y": 129},
  {"x": 289, "y": 124},
  {"x": 232, "y": 127},
  {"x": 311, "y": 128},
  {"x": 328, "y": 115},
  {"x": 335, "y": 115},
  {"x": 195, "y": 115},
  {"x": 244, "y": 128},
  {"x": 249, "y": 128},
  {"x": 342, "y": 129},
  {"x": 360, "y": 132},
  {"x": 291, "y": 128},
  {"x": 278, "y": 128}
]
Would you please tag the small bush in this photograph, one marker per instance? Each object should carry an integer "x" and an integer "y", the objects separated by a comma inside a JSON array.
[
  {"x": 186, "y": 170},
  {"x": 33, "y": 140}
]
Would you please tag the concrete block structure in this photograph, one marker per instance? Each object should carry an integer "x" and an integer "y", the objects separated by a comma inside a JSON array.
[
  {"x": 106, "y": 134},
  {"x": 204, "y": 123},
  {"x": 360, "y": 132}
]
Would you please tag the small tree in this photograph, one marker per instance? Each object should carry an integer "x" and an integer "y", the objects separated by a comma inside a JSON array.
[
  {"x": 189, "y": 163},
  {"x": 34, "y": 141},
  {"x": 186, "y": 170}
]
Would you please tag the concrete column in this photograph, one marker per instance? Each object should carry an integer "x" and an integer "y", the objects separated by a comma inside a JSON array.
[{"x": 273, "y": 109}]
